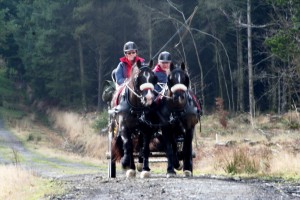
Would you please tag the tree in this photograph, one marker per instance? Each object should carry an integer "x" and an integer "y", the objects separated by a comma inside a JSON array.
[
  {"x": 283, "y": 42},
  {"x": 64, "y": 50},
  {"x": 250, "y": 66}
]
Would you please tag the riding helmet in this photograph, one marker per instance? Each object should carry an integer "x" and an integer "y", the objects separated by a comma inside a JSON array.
[
  {"x": 129, "y": 46},
  {"x": 164, "y": 57}
]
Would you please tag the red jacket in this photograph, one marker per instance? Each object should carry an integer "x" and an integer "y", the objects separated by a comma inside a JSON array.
[{"x": 124, "y": 68}]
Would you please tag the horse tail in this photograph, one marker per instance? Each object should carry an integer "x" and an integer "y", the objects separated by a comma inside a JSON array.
[{"x": 117, "y": 148}]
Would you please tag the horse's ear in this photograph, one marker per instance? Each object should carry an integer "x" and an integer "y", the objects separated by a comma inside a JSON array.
[
  {"x": 169, "y": 82},
  {"x": 151, "y": 63},
  {"x": 139, "y": 64},
  {"x": 155, "y": 80},
  {"x": 182, "y": 66},
  {"x": 187, "y": 81},
  {"x": 172, "y": 66}
]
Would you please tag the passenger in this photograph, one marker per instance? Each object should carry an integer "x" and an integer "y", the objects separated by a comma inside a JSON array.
[{"x": 162, "y": 69}]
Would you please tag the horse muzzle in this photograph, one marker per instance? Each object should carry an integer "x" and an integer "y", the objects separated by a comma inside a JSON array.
[{"x": 147, "y": 93}]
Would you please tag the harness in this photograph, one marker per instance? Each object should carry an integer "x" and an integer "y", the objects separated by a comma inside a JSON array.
[
  {"x": 133, "y": 109},
  {"x": 124, "y": 104},
  {"x": 172, "y": 116},
  {"x": 121, "y": 106}
]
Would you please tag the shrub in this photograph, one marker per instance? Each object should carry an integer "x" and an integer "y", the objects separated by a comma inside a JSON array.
[
  {"x": 34, "y": 137},
  {"x": 101, "y": 121},
  {"x": 241, "y": 163}
]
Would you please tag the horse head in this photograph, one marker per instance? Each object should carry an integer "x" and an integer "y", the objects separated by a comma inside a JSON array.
[
  {"x": 143, "y": 83},
  {"x": 178, "y": 84}
]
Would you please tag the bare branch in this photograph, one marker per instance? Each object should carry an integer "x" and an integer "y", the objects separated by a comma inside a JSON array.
[
  {"x": 236, "y": 17},
  {"x": 173, "y": 6}
]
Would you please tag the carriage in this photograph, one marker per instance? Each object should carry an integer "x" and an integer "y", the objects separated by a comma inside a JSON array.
[{"x": 149, "y": 130}]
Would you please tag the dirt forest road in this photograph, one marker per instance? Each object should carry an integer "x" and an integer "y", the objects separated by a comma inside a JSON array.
[
  {"x": 97, "y": 186},
  {"x": 12, "y": 151}
]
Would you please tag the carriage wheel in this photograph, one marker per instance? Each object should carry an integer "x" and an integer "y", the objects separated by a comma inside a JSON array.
[{"x": 111, "y": 160}]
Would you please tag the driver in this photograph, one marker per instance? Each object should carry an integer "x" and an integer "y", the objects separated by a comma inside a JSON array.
[{"x": 123, "y": 70}]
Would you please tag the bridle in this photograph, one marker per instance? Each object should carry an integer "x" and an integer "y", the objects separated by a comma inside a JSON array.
[{"x": 138, "y": 90}]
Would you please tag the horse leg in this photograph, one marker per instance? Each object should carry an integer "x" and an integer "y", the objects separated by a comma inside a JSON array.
[
  {"x": 187, "y": 153},
  {"x": 127, "y": 160},
  {"x": 177, "y": 165},
  {"x": 130, "y": 173},
  {"x": 146, "y": 151},
  {"x": 140, "y": 156},
  {"x": 169, "y": 152},
  {"x": 127, "y": 147}
]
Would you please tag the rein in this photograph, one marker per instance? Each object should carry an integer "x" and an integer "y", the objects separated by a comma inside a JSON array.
[
  {"x": 127, "y": 86},
  {"x": 142, "y": 87},
  {"x": 164, "y": 90}
]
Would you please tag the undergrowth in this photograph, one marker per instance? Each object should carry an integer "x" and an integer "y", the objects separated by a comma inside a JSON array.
[{"x": 241, "y": 163}]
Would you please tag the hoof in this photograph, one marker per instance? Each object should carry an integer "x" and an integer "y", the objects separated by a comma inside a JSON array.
[
  {"x": 187, "y": 173},
  {"x": 145, "y": 174},
  {"x": 171, "y": 175},
  {"x": 139, "y": 167},
  {"x": 125, "y": 168},
  {"x": 179, "y": 167},
  {"x": 125, "y": 162},
  {"x": 130, "y": 173}
]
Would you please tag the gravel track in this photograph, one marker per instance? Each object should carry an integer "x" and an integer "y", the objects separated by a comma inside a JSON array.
[{"x": 158, "y": 187}]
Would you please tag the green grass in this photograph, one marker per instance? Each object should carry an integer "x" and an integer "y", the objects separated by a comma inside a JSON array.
[
  {"x": 20, "y": 184},
  {"x": 11, "y": 155},
  {"x": 44, "y": 188},
  {"x": 41, "y": 158}
]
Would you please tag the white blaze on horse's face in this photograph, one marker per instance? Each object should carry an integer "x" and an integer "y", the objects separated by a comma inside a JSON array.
[
  {"x": 149, "y": 87},
  {"x": 179, "y": 87},
  {"x": 147, "y": 76},
  {"x": 179, "y": 78},
  {"x": 149, "y": 98}
]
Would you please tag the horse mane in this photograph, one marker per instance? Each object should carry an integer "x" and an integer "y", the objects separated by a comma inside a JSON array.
[{"x": 133, "y": 73}]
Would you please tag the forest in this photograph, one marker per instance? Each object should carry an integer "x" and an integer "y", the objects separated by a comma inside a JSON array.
[{"x": 245, "y": 52}]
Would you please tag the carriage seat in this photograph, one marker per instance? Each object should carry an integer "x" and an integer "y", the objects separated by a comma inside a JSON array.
[
  {"x": 113, "y": 76},
  {"x": 109, "y": 88}
]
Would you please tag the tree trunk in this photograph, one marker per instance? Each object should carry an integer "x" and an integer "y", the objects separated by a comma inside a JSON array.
[
  {"x": 240, "y": 77},
  {"x": 219, "y": 73},
  {"x": 201, "y": 77},
  {"x": 82, "y": 76},
  {"x": 279, "y": 94},
  {"x": 99, "y": 99},
  {"x": 224, "y": 78},
  {"x": 250, "y": 66},
  {"x": 150, "y": 32},
  {"x": 284, "y": 92},
  {"x": 273, "y": 95}
]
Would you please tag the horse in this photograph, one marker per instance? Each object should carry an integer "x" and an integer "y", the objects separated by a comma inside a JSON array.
[
  {"x": 179, "y": 113},
  {"x": 132, "y": 110}
]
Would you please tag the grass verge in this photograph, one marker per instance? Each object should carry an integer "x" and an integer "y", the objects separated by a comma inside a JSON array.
[{"x": 17, "y": 183}]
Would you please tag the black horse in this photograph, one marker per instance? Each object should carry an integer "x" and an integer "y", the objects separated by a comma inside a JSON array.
[
  {"x": 179, "y": 113},
  {"x": 132, "y": 111}
]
